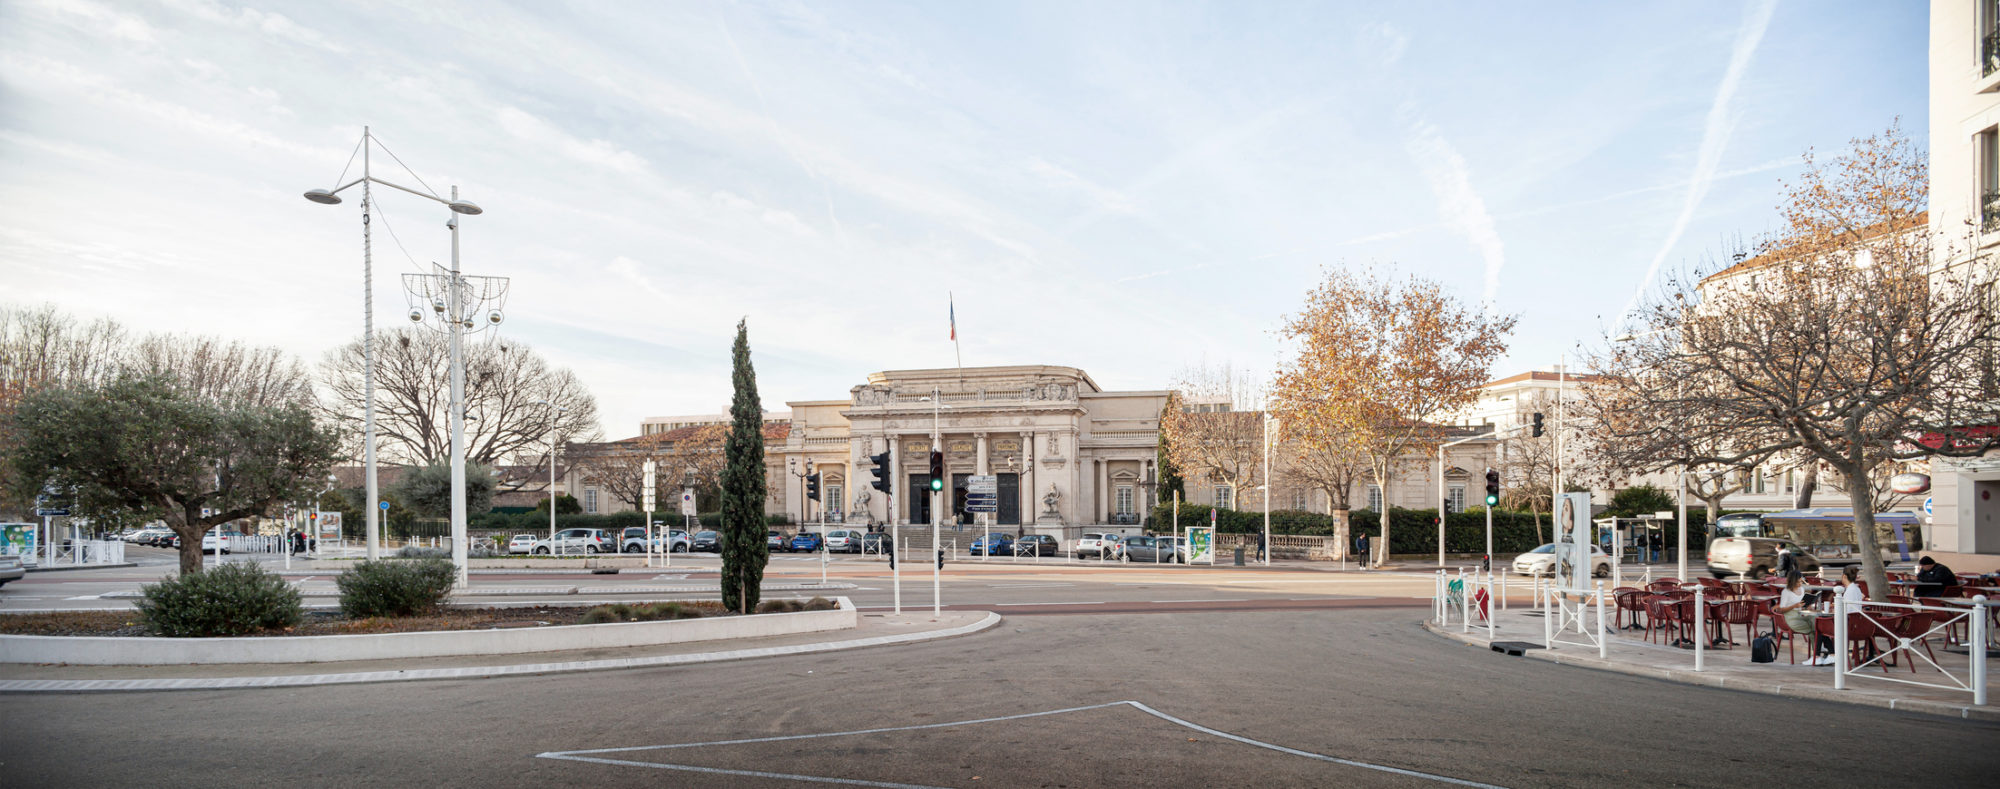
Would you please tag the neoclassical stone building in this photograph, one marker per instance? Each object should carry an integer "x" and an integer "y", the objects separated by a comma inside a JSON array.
[{"x": 1066, "y": 452}]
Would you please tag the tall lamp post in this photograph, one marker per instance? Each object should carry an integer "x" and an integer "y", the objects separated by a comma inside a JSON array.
[
  {"x": 552, "y": 470},
  {"x": 332, "y": 197},
  {"x": 456, "y": 301}
]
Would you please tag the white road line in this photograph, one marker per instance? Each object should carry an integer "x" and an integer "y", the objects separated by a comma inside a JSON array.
[
  {"x": 1090, "y": 602},
  {"x": 583, "y": 755},
  {"x": 1025, "y": 586},
  {"x": 1215, "y": 600}
]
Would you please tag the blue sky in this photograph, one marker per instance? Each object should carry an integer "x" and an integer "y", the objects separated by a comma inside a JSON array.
[{"x": 1129, "y": 188}]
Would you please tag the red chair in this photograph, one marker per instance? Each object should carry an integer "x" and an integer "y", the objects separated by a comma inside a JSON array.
[
  {"x": 1914, "y": 626},
  {"x": 1955, "y": 632},
  {"x": 1659, "y": 615},
  {"x": 1738, "y": 612},
  {"x": 1861, "y": 635},
  {"x": 1714, "y": 588},
  {"x": 1663, "y": 585},
  {"x": 1632, "y": 600},
  {"x": 1783, "y": 631}
]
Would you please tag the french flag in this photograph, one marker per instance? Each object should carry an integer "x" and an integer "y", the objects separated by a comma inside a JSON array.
[{"x": 954, "y": 316}]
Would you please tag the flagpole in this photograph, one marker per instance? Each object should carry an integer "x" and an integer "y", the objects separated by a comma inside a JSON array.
[{"x": 955, "y": 351}]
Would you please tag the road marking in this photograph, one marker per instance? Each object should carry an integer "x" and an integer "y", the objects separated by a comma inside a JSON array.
[
  {"x": 1216, "y": 600},
  {"x": 1024, "y": 586},
  {"x": 585, "y": 755},
  {"x": 1092, "y": 602}
]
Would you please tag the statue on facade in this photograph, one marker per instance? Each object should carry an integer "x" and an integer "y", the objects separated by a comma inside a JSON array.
[
  {"x": 861, "y": 506},
  {"x": 1049, "y": 501}
]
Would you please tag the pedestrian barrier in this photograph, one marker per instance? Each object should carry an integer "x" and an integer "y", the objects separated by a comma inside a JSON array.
[
  {"x": 1911, "y": 647},
  {"x": 1568, "y": 609}
]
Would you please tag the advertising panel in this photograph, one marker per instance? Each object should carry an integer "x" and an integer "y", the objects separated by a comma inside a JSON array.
[{"x": 1200, "y": 545}]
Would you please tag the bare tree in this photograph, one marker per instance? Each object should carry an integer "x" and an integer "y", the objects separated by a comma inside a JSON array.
[
  {"x": 1219, "y": 429},
  {"x": 1380, "y": 361},
  {"x": 618, "y": 467},
  {"x": 1840, "y": 342},
  {"x": 506, "y": 383}
]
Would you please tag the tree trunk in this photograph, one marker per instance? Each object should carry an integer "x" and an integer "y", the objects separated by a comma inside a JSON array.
[
  {"x": 1379, "y": 547},
  {"x": 186, "y": 526},
  {"x": 1803, "y": 499},
  {"x": 1861, "y": 496}
]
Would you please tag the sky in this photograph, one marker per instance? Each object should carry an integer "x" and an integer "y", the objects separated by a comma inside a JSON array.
[{"x": 1128, "y": 188}]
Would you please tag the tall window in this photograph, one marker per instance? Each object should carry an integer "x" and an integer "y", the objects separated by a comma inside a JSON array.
[
  {"x": 590, "y": 500},
  {"x": 1301, "y": 500},
  {"x": 1455, "y": 496},
  {"x": 832, "y": 496},
  {"x": 1374, "y": 498},
  {"x": 1124, "y": 499},
  {"x": 1989, "y": 180},
  {"x": 1225, "y": 497}
]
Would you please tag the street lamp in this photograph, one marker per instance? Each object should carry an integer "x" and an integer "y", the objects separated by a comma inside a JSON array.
[
  {"x": 332, "y": 197},
  {"x": 552, "y": 471},
  {"x": 1267, "y": 486},
  {"x": 458, "y": 301}
]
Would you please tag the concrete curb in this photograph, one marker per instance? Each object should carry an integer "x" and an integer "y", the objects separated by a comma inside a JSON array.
[
  {"x": 1691, "y": 677},
  {"x": 128, "y": 651},
  {"x": 478, "y": 672},
  {"x": 535, "y": 591},
  {"x": 67, "y": 567}
]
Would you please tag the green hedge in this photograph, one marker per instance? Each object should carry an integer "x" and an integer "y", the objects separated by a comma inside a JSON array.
[
  {"x": 538, "y": 522},
  {"x": 1415, "y": 531}
]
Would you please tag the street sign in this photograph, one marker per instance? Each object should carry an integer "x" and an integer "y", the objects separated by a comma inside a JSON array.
[
  {"x": 687, "y": 503},
  {"x": 982, "y": 493},
  {"x": 51, "y": 512},
  {"x": 646, "y": 488},
  {"x": 1927, "y": 505},
  {"x": 384, "y": 505}
]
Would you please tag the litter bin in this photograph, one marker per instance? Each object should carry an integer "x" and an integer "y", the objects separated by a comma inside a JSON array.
[{"x": 1239, "y": 556}]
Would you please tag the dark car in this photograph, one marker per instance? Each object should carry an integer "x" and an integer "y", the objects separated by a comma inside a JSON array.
[
  {"x": 1036, "y": 545},
  {"x": 877, "y": 542},
  {"x": 806, "y": 542},
  {"x": 708, "y": 541},
  {"x": 775, "y": 540}
]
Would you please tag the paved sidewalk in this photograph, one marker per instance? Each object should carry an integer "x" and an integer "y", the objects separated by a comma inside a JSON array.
[
  {"x": 1631, "y": 653},
  {"x": 876, "y": 630}
]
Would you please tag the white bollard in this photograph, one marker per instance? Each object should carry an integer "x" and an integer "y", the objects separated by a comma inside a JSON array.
[
  {"x": 1603, "y": 641},
  {"x": 1503, "y": 591},
  {"x": 1437, "y": 600},
  {"x": 1491, "y": 612},
  {"x": 1701, "y": 628},
  {"x": 1464, "y": 603},
  {"x": 1548, "y": 624},
  {"x": 1840, "y": 642},
  {"x": 1978, "y": 634}
]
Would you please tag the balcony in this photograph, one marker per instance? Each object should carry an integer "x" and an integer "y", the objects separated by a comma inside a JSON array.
[{"x": 1989, "y": 54}]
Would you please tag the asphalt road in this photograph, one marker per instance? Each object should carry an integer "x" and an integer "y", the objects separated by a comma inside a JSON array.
[{"x": 1358, "y": 684}]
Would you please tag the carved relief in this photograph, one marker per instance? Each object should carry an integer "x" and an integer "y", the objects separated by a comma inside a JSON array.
[
  {"x": 959, "y": 447},
  {"x": 919, "y": 447},
  {"x": 1007, "y": 445}
]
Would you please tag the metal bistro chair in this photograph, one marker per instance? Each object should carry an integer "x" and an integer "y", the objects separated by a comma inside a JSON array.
[
  {"x": 1739, "y": 612},
  {"x": 1861, "y": 635},
  {"x": 1628, "y": 599},
  {"x": 1783, "y": 631},
  {"x": 1914, "y": 626},
  {"x": 1663, "y": 585},
  {"x": 1659, "y": 615}
]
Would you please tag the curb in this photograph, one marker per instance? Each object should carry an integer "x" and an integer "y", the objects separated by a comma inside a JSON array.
[
  {"x": 534, "y": 591},
  {"x": 67, "y": 567},
  {"x": 1691, "y": 677},
  {"x": 476, "y": 672}
]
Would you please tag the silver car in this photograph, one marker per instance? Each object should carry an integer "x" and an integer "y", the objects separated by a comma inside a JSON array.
[{"x": 11, "y": 569}]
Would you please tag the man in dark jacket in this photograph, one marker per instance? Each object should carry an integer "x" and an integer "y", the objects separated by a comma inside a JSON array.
[
  {"x": 1934, "y": 577},
  {"x": 1786, "y": 564},
  {"x": 1361, "y": 549}
]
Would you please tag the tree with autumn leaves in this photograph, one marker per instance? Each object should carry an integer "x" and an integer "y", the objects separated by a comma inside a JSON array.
[
  {"x": 1840, "y": 342},
  {"x": 1380, "y": 361}
]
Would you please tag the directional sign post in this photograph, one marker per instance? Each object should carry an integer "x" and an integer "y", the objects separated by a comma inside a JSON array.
[{"x": 982, "y": 493}]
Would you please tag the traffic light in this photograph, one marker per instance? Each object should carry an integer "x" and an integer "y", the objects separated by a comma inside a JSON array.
[
  {"x": 1538, "y": 424},
  {"x": 812, "y": 487},
  {"x": 937, "y": 471},
  {"x": 1493, "y": 486},
  {"x": 884, "y": 475}
]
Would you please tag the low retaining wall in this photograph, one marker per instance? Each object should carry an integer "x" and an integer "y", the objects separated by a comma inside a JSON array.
[{"x": 144, "y": 651}]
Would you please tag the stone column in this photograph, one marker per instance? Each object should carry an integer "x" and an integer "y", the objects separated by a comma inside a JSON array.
[
  {"x": 1103, "y": 494},
  {"x": 1027, "y": 482},
  {"x": 981, "y": 467}
]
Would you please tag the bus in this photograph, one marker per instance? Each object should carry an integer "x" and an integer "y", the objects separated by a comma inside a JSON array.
[{"x": 1827, "y": 533}]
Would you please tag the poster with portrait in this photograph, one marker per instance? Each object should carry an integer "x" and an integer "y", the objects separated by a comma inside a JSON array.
[{"x": 1573, "y": 536}]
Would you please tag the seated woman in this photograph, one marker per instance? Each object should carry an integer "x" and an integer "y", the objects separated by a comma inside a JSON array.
[{"x": 1792, "y": 605}]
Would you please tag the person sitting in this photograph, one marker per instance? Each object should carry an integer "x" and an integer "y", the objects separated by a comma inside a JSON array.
[
  {"x": 1933, "y": 577},
  {"x": 1792, "y": 605}
]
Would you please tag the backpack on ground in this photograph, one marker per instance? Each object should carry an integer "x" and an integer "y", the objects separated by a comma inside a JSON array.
[{"x": 1764, "y": 649}]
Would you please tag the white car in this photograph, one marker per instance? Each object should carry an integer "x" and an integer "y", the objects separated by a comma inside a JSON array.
[
  {"x": 575, "y": 541},
  {"x": 1108, "y": 545},
  {"x": 212, "y": 541},
  {"x": 1542, "y": 561},
  {"x": 521, "y": 543},
  {"x": 635, "y": 540}
]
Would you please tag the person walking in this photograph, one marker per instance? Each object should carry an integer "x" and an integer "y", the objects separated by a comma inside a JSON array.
[
  {"x": 1361, "y": 549},
  {"x": 1260, "y": 546}
]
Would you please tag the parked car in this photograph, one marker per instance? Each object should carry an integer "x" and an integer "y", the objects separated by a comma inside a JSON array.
[
  {"x": 844, "y": 540},
  {"x": 1037, "y": 545},
  {"x": 775, "y": 540},
  {"x": 634, "y": 540},
  {"x": 212, "y": 542},
  {"x": 707, "y": 540},
  {"x": 992, "y": 544},
  {"x": 877, "y": 542},
  {"x": 806, "y": 542},
  {"x": 1158, "y": 550},
  {"x": 1098, "y": 545},
  {"x": 578, "y": 541},
  {"x": 521, "y": 543},
  {"x": 11, "y": 569},
  {"x": 1542, "y": 561},
  {"x": 1754, "y": 557},
  {"x": 151, "y": 535}
]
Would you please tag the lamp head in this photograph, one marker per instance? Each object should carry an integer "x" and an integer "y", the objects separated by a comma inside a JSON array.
[
  {"x": 416, "y": 315},
  {"x": 466, "y": 207},
  {"x": 325, "y": 197}
]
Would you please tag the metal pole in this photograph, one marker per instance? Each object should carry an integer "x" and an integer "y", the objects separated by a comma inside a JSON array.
[
  {"x": 937, "y": 542},
  {"x": 552, "y": 485},
  {"x": 1464, "y": 603},
  {"x": 1489, "y": 538},
  {"x": 457, "y": 317},
  {"x": 1177, "y": 525},
  {"x": 895, "y": 543},
  {"x": 1978, "y": 633},
  {"x": 1491, "y": 612},
  {"x": 1701, "y": 616},
  {"x": 368, "y": 351},
  {"x": 1267, "y": 488},
  {"x": 1548, "y": 622},
  {"x": 1440, "y": 508},
  {"x": 1603, "y": 640},
  {"x": 1684, "y": 525},
  {"x": 1840, "y": 641}
]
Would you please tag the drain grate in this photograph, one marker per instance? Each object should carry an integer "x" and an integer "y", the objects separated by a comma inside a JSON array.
[{"x": 1515, "y": 648}]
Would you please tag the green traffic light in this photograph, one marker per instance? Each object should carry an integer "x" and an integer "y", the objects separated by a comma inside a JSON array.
[
  {"x": 937, "y": 484},
  {"x": 1492, "y": 500}
]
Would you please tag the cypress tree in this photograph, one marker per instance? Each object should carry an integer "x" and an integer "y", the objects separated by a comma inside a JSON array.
[{"x": 744, "y": 550}]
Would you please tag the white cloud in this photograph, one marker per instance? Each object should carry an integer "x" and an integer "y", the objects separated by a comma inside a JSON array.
[{"x": 1459, "y": 204}]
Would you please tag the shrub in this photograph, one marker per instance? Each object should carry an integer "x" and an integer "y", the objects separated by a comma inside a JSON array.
[
  {"x": 414, "y": 552},
  {"x": 229, "y": 600},
  {"x": 791, "y": 606},
  {"x": 398, "y": 588},
  {"x": 599, "y": 616}
]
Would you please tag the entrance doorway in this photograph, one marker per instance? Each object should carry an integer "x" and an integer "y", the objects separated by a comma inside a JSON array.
[
  {"x": 1010, "y": 499},
  {"x": 920, "y": 498}
]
